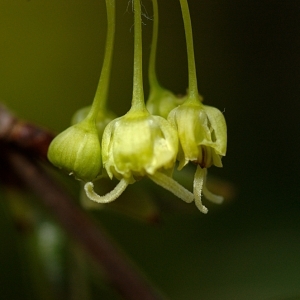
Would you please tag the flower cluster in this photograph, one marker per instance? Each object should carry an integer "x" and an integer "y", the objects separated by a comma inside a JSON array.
[{"x": 149, "y": 139}]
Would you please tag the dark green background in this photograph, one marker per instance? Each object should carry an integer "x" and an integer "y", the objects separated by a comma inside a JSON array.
[{"x": 248, "y": 60}]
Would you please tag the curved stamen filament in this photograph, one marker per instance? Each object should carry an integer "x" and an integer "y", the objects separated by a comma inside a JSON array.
[
  {"x": 173, "y": 186},
  {"x": 109, "y": 197},
  {"x": 198, "y": 185},
  {"x": 208, "y": 194}
]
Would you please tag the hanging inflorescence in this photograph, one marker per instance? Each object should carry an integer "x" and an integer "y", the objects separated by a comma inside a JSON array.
[{"x": 150, "y": 137}]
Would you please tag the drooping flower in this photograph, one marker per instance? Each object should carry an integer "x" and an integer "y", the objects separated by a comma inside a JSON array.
[
  {"x": 77, "y": 150},
  {"x": 138, "y": 144},
  {"x": 161, "y": 101},
  {"x": 202, "y": 134},
  {"x": 201, "y": 129},
  {"x": 202, "y": 137},
  {"x": 103, "y": 117}
]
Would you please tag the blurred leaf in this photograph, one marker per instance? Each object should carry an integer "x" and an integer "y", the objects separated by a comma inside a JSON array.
[{"x": 15, "y": 282}]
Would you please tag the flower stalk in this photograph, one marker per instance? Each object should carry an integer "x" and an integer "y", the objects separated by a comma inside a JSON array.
[
  {"x": 138, "y": 102},
  {"x": 161, "y": 101},
  {"x": 193, "y": 86},
  {"x": 201, "y": 129},
  {"x": 100, "y": 98},
  {"x": 153, "y": 81}
]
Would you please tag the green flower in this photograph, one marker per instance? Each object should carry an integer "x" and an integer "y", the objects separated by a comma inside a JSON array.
[
  {"x": 202, "y": 134},
  {"x": 103, "y": 117},
  {"x": 202, "y": 137},
  {"x": 77, "y": 150},
  {"x": 161, "y": 101},
  {"x": 138, "y": 144}
]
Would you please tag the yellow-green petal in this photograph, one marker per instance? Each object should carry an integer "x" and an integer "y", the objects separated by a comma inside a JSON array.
[{"x": 218, "y": 123}]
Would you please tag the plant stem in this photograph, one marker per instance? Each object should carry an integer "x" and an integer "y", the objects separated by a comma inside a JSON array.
[
  {"x": 152, "y": 61},
  {"x": 193, "y": 87},
  {"x": 138, "y": 102},
  {"x": 102, "y": 89},
  {"x": 27, "y": 136}
]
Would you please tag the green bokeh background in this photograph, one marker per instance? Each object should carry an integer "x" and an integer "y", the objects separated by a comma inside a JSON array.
[{"x": 248, "y": 64}]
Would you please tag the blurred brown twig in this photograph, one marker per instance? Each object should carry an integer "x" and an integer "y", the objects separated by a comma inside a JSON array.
[{"x": 24, "y": 135}]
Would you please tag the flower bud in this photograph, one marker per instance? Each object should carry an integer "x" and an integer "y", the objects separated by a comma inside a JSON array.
[
  {"x": 138, "y": 144},
  {"x": 201, "y": 132},
  {"x": 77, "y": 150},
  {"x": 161, "y": 101},
  {"x": 103, "y": 118}
]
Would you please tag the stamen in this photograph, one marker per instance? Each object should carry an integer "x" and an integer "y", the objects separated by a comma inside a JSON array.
[
  {"x": 109, "y": 197},
  {"x": 173, "y": 186},
  {"x": 198, "y": 185},
  {"x": 209, "y": 195}
]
